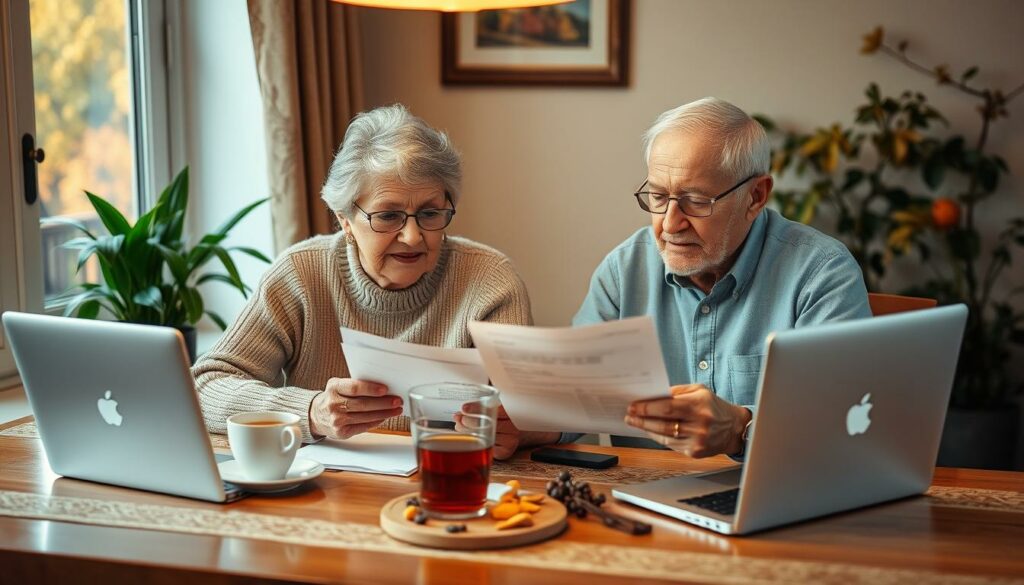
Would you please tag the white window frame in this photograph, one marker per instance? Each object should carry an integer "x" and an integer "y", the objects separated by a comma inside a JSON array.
[
  {"x": 24, "y": 258},
  {"x": 156, "y": 125}
]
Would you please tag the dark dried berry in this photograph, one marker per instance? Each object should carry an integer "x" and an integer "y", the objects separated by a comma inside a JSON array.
[
  {"x": 455, "y": 528},
  {"x": 564, "y": 476},
  {"x": 421, "y": 518},
  {"x": 581, "y": 513},
  {"x": 599, "y": 499},
  {"x": 414, "y": 501}
]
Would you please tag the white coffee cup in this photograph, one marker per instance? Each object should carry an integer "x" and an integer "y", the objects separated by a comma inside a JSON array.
[{"x": 264, "y": 443}]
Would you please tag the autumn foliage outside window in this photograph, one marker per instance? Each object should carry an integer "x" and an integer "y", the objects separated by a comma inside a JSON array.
[{"x": 83, "y": 92}]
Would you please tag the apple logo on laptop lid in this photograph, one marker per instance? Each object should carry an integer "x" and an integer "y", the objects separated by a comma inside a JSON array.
[
  {"x": 108, "y": 410},
  {"x": 857, "y": 421}
]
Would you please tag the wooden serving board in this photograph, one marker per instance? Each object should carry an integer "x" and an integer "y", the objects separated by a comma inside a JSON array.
[{"x": 481, "y": 533}]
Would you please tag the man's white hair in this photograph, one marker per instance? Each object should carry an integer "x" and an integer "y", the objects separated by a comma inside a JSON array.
[{"x": 744, "y": 144}]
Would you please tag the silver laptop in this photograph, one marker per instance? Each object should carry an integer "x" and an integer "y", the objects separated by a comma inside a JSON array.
[
  {"x": 115, "y": 403},
  {"x": 848, "y": 415}
]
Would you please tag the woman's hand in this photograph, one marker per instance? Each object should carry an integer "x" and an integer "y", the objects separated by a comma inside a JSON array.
[{"x": 348, "y": 407}]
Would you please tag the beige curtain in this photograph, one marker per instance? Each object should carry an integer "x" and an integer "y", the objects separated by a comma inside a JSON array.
[{"x": 307, "y": 59}]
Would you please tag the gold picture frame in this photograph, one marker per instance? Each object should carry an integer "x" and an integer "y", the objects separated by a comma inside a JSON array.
[{"x": 585, "y": 42}]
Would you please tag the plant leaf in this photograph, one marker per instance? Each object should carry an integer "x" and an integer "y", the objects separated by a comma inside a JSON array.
[
  {"x": 237, "y": 217},
  {"x": 934, "y": 171},
  {"x": 251, "y": 252},
  {"x": 89, "y": 310},
  {"x": 115, "y": 223},
  {"x": 217, "y": 319},
  {"x": 98, "y": 295},
  {"x": 214, "y": 276},
  {"x": 150, "y": 297},
  {"x": 175, "y": 200},
  {"x": 78, "y": 243},
  {"x": 193, "y": 304},
  {"x": 179, "y": 268},
  {"x": 229, "y": 265},
  {"x": 67, "y": 221}
]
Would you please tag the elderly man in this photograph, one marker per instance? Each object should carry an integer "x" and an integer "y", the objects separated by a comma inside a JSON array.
[{"x": 718, "y": 272}]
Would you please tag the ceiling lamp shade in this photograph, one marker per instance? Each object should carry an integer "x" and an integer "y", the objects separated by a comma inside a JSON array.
[{"x": 452, "y": 5}]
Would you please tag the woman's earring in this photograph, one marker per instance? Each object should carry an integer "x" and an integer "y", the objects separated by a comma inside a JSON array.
[{"x": 349, "y": 239}]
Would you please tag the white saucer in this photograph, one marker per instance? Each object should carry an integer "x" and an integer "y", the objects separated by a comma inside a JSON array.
[{"x": 301, "y": 471}]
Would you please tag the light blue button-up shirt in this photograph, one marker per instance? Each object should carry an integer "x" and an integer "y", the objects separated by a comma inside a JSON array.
[{"x": 787, "y": 275}]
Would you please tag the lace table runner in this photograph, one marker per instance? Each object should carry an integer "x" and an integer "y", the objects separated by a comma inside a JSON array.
[
  {"x": 517, "y": 469},
  {"x": 29, "y": 431},
  {"x": 627, "y": 561}
]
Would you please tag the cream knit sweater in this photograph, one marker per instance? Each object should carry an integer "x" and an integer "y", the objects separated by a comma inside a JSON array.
[{"x": 285, "y": 344}]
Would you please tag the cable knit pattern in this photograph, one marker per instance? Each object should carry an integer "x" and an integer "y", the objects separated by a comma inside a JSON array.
[{"x": 285, "y": 344}]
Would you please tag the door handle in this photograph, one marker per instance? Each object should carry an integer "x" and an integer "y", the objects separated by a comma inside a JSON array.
[{"x": 30, "y": 157}]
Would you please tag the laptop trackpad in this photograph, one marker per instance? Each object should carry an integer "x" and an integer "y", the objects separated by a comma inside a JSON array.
[{"x": 698, "y": 485}]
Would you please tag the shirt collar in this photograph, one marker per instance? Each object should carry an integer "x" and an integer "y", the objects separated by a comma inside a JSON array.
[{"x": 746, "y": 263}]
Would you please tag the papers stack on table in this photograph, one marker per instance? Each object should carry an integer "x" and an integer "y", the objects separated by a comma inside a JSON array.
[{"x": 365, "y": 453}]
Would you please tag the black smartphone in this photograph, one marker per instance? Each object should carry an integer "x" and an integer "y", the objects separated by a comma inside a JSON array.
[{"x": 575, "y": 458}]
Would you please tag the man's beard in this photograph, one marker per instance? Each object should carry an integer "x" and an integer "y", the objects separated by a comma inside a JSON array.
[{"x": 711, "y": 256}]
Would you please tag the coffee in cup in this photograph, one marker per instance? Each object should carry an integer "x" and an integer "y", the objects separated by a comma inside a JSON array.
[{"x": 264, "y": 443}]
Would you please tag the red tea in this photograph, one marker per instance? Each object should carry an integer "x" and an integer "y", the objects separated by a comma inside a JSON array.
[{"x": 454, "y": 471}]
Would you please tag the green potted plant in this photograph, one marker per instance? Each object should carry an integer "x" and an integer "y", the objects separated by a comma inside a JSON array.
[
  {"x": 150, "y": 274},
  {"x": 865, "y": 175}
]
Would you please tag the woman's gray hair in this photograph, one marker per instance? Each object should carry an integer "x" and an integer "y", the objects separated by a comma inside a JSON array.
[
  {"x": 745, "y": 147},
  {"x": 389, "y": 143}
]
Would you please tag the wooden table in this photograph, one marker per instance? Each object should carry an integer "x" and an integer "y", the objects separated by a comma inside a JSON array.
[{"x": 971, "y": 530}]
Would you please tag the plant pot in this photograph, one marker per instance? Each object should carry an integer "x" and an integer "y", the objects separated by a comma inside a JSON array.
[
  {"x": 189, "y": 333},
  {"x": 979, "y": 438}
]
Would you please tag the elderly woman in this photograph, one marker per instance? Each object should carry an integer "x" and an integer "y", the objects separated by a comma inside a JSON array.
[{"x": 392, "y": 271}]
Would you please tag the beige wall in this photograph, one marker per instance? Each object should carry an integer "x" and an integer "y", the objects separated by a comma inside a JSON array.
[{"x": 549, "y": 171}]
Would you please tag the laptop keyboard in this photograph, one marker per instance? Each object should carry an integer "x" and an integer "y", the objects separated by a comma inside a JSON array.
[{"x": 723, "y": 503}]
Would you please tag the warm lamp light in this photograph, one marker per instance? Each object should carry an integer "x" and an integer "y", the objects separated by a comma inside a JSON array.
[{"x": 452, "y": 5}]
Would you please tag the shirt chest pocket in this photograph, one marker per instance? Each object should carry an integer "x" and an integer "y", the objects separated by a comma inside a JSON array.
[{"x": 744, "y": 372}]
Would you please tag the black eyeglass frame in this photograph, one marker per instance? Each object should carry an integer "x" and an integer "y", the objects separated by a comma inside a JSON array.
[
  {"x": 449, "y": 211},
  {"x": 691, "y": 198}
]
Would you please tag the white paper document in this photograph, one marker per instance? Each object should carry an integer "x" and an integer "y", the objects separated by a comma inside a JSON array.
[
  {"x": 579, "y": 379},
  {"x": 365, "y": 453},
  {"x": 401, "y": 365}
]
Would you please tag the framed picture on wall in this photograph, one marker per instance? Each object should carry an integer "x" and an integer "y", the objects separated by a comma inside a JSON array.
[{"x": 584, "y": 42}]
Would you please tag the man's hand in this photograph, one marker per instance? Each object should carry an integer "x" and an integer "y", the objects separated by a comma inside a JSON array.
[
  {"x": 508, "y": 439},
  {"x": 348, "y": 407},
  {"x": 693, "y": 421}
]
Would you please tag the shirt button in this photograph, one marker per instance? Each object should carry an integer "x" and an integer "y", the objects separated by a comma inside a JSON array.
[
  {"x": 703, "y": 364},
  {"x": 705, "y": 309}
]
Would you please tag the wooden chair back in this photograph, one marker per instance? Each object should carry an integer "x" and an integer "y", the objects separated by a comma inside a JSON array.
[{"x": 884, "y": 304}]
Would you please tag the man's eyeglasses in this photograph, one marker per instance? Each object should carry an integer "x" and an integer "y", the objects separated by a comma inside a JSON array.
[
  {"x": 432, "y": 220},
  {"x": 691, "y": 205}
]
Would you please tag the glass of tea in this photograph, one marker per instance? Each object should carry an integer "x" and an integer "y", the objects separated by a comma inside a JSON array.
[{"x": 453, "y": 428}]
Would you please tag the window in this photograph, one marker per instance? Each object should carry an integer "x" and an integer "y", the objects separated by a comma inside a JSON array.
[
  {"x": 95, "y": 112},
  {"x": 100, "y": 112},
  {"x": 83, "y": 100}
]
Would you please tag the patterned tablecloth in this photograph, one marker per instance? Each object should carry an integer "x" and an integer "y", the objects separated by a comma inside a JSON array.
[{"x": 629, "y": 561}]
